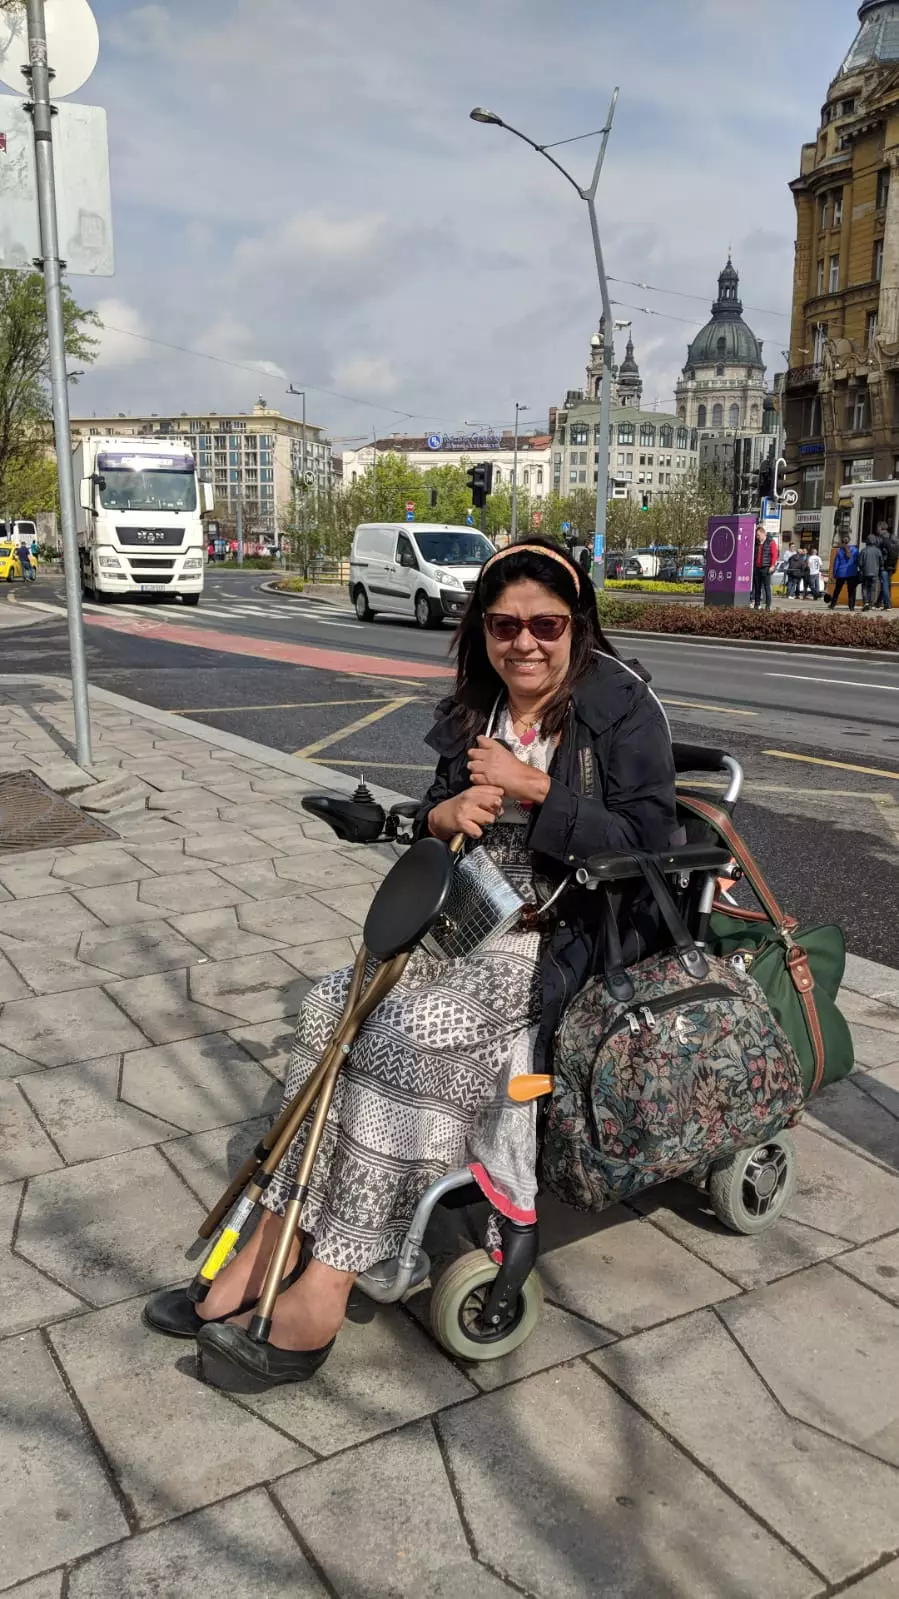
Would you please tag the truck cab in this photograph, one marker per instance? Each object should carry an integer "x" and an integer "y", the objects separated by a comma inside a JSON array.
[{"x": 140, "y": 527}]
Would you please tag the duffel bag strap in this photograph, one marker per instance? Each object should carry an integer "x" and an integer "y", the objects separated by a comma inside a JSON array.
[
  {"x": 615, "y": 977},
  {"x": 690, "y": 957},
  {"x": 721, "y": 822}
]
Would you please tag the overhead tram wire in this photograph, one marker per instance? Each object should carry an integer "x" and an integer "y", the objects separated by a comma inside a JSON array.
[{"x": 682, "y": 294}]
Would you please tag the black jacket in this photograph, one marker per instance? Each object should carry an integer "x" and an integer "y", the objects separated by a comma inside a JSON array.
[{"x": 612, "y": 789}]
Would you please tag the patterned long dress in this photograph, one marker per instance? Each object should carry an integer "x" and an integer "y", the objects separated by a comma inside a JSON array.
[{"x": 424, "y": 1089}]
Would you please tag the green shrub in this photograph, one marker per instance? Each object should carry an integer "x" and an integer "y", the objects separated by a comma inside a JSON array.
[
  {"x": 257, "y": 563},
  {"x": 291, "y": 585},
  {"x": 776, "y": 627},
  {"x": 649, "y": 585}
]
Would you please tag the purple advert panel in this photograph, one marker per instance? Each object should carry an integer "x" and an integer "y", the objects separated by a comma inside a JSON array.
[{"x": 728, "y": 570}]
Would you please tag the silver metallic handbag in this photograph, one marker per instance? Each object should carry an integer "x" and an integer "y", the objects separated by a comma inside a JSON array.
[{"x": 481, "y": 905}]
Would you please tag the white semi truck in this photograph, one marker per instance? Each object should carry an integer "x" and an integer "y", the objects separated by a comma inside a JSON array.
[{"x": 140, "y": 527}]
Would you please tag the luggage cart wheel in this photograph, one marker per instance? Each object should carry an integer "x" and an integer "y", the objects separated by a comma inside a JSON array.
[
  {"x": 749, "y": 1190},
  {"x": 458, "y": 1300}
]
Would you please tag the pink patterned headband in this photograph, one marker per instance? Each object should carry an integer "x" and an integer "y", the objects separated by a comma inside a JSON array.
[{"x": 535, "y": 549}]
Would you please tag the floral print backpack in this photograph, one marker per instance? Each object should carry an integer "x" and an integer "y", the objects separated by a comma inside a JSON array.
[{"x": 663, "y": 1069}]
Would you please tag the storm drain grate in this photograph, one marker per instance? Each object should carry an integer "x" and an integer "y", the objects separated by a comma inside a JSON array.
[{"x": 33, "y": 817}]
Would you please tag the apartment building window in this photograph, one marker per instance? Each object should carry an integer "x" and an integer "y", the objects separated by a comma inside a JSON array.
[
  {"x": 733, "y": 416},
  {"x": 666, "y": 437},
  {"x": 647, "y": 433},
  {"x": 811, "y": 494},
  {"x": 833, "y": 282},
  {"x": 701, "y": 416},
  {"x": 582, "y": 477},
  {"x": 810, "y": 425},
  {"x": 824, "y": 210},
  {"x": 682, "y": 438},
  {"x": 878, "y": 261},
  {"x": 820, "y": 289},
  {"x": 717, "y": 416},
  {"x": 857, "y": 410},
  {"x": 562, "y": 433},
  {"x": 498, "y": 474},
  {"x": 838, "y": 208},
  {"x": 871, "y": 329},
  {"x": 597, "y": 433},
  {"x": 572, "y": 477},
  {"x": 579, "y": 431},
  {"x": 626, "y": 433},
  {"x": 526, "y": 478},
  {"x": 883, "y": 188},
  {"x": 539, "y": 477},
  {"x": 621, "y": 458},
  {"x": 820, "y": 342}
]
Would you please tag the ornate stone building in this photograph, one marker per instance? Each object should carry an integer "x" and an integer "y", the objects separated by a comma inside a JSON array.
[
  {"x": 627, "y": 384},
  {"x": 842, "y": 389},
  {"x": 722, "y": 388}
]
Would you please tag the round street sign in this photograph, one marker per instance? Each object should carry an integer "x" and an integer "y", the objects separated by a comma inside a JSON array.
[
  {"x": 73, "y": 45},
  {"x": 790, "y": 497}
]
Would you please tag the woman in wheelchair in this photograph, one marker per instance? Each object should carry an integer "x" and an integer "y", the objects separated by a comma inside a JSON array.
[{"x": 549, "y": 750}]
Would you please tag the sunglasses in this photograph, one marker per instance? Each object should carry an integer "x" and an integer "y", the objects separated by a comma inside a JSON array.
[{"x": 545, "y": 629}]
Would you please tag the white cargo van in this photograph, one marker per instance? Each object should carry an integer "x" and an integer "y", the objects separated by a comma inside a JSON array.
[{"x": 424, "y": 570}]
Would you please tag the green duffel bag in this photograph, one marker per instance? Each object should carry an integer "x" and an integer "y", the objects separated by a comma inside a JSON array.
[{"x": 799, "y": 969}]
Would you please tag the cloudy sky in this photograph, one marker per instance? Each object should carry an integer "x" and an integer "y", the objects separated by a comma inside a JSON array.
[{"x": 298, "y": 190}]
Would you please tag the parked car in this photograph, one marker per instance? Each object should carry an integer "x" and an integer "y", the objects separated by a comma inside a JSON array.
[
  {"x": 9, "y": 563},
  {"x": 692, "y": 570},
  {"x": 616, "y": 562}
]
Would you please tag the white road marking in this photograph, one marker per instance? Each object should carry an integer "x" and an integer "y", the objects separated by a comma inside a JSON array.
[{"x": 836, "y": 682}]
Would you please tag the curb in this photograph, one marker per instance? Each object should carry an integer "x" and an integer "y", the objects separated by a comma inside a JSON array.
[
  {"x": 710, "y": 642},
  {"x": 291, "y": 765},
  {"x": 316, "y": 599}
]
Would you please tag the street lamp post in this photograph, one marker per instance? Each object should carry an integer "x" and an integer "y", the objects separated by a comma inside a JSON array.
[
  {"x": 588, "y": 195},
  {"x": 514, "y": 533}
]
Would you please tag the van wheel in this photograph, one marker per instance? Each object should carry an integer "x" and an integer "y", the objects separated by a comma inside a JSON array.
[
  {"x": 190, "y": 599},
  {"x": 424, "y": 616},
  {"x": 363, "y": 609}
]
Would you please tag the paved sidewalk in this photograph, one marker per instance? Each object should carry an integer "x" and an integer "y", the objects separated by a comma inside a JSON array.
[{"x": 698, "y": 1415}]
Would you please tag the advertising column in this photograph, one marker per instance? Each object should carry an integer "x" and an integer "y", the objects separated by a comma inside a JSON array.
[{"x": 728, "y": 570}]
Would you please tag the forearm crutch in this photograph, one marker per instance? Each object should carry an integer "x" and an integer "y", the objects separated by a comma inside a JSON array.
[{"x": 405, "y": 907}]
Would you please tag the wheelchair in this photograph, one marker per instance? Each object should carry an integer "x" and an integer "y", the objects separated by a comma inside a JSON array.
[{"x": 485, "y": 1304}]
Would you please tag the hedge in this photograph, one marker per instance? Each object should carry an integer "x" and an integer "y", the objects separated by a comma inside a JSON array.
[
  {"x": 291, "y": 585},
  {"x": 777, "y": 627},
  {"x": 648, "y": 585},
  {"x": 258, "y": 563}
]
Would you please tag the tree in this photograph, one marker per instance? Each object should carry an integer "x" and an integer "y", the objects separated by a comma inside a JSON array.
[
  {"x": 31, "y": 486},
  {"x": 680, "y": 518},
  {"x": 25, "y": 408},
  {"x": 625, "y": 525}
]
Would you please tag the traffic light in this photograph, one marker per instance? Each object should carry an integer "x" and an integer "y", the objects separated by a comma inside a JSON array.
[
  {"x": 480, "y": 482},
  {"x": 766, "y": 479}
]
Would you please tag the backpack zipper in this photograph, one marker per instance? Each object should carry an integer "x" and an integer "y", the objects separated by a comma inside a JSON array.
[{"x": 684, "y": 998}]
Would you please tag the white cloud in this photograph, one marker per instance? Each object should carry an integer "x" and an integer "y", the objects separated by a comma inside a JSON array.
[{"x": 122, "y": 336}]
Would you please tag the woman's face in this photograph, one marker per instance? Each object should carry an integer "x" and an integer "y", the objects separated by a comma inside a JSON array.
[{"x": 529, "y": 666}]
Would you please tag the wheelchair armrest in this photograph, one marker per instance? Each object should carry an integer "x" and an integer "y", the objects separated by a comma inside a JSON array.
[
  {"x": 687, "y": 858},
  {"x": 354, "y": 821},
  {"x": 407, "y": 810}
]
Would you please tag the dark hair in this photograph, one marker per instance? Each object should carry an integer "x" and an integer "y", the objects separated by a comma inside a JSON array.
[{"x": 477, "y": 684}]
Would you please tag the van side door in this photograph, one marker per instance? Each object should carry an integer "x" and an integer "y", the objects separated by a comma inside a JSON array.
[{"x": 406, "y": 576}]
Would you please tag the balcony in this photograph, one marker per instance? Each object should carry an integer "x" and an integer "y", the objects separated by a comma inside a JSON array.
[{"x": 800, "y": 377}]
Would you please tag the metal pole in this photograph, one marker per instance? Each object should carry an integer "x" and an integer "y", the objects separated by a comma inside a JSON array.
[
  {"x": 42, "y": 118},
  {"x": 239, "y": 531},
  {"x": 514, "y": 532},
  {"x": 605, "y": 389}
]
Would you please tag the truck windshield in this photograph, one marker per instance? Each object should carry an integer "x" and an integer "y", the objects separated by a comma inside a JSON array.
[
  {"x": 123, "y": 490},
  {"x": 454, "y": 549}
]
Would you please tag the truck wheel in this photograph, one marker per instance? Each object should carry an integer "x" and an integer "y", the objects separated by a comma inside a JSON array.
[
  {"x": 363, "y": 609},
  {"x": 190, "y": 599}
]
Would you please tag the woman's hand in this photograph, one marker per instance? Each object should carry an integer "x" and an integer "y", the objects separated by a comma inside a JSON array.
[
  {"x": 492, "y": 764},
  {"x": 467, "y": 813}
]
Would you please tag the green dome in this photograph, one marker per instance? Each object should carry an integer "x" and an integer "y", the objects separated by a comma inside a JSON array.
[{"x": 726, "y": 340}]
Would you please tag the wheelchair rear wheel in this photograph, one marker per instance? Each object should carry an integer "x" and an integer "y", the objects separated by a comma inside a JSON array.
[
  {"x": 749, "y": 1190},
  {"x": 459, "y": 1299}
]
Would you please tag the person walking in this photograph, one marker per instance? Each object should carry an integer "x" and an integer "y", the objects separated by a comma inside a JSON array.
[
  {"x": 813, "y": 577},
  {"x": 890, "y": 550},
  {"x": 26, "y": 563},
  {"x": 796, "y": 570},
  {"x": 870, "y": 566},
  {"x": 764, "y": 563},
  {"x": 845, "y": 571}
]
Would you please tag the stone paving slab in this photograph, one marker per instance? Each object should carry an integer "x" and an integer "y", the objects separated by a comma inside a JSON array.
[
  {"x": 162, "y": 1008},
  {"x": 110, "y": 1228},
  {"x": 568, "y": 1491},
  {"x": 46, "y": 1587},
  {"x": 137, "y": 951},
  {"x": 57, "y": 1502},
  {"x": 25, "y": 1148},
  {"x": 27, "y": 1297},
  {"x": 860, "y": 1117},
  {"x": 882, "y": 1584},
  {"x": 55, "y": 917},
  {"x": 58, "y": 1029},
  {"x": 196, "y": 1083},
  {"x": 81, "y": 1110},
  {"x": 840, "y": 1194},
  {"x": 253, "y": 988},
  {"x": 208, "y": 1161},
  {"x": 836, "y": 1506},
  {"x": 54, "y": 968},
  {"x": 219, "y": 934},
  {"x": 174, "y": 1443},
  {"x": 877, "y": 1265},
  {"x": 241, "y": 1547}
]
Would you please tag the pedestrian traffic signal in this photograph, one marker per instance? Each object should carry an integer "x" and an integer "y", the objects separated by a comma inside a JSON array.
[
  {"x": 766, "y": 480},
  {"x": 480, "y": 482}
]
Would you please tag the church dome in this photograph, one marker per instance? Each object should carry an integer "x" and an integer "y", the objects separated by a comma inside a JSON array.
[
  {"x": 726, "y": 340},
  {"x": 629, "y": 367},
  {"x": 877, "y": 40}
]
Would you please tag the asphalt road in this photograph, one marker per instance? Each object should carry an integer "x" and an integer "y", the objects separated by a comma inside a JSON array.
[{"x": 818, "y": 733}]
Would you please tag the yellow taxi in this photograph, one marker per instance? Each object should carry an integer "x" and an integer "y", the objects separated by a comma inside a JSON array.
[{"x": 10, "y": 566}]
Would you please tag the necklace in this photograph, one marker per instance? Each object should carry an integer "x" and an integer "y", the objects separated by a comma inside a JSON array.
[{"x": 530, "y": 730}]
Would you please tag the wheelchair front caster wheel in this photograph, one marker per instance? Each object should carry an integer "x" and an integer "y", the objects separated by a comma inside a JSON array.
[
  {"x": 457, "y": 1304},
  {"x": 749, "y": 1190}
]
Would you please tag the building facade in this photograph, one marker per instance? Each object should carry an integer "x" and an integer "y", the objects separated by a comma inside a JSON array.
[
  {"x": 722, "y": 387},
  {"x": 842, "y": 388},
  {"x": 649, "y": 451},
  {"x": 445, "y": 449},
  {"x": 258, "y": 460}
]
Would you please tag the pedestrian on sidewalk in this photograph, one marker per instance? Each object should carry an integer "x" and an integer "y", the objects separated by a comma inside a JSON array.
[
  {"x": 845, "y": 571},
  {"x": 813, "y": 578},
  {"x": 890, "y": 549},
  {"x": 870, "y": 566},
  {"x": 537, "y": 685},
  {"x": 797, "y": 567},
  {"x": 764, "y": 564},
  {"x": 25, "y": 562}
]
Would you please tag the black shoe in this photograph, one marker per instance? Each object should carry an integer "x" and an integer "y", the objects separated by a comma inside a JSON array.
[
  {"x": 169, "y": 1311},
  {"x": 255, "y": 1366}
]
